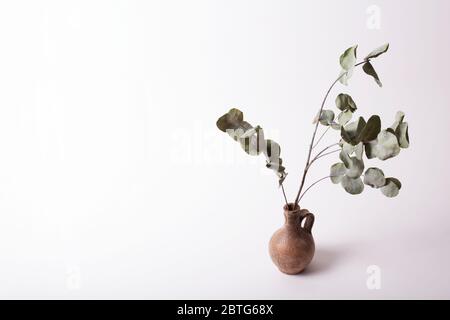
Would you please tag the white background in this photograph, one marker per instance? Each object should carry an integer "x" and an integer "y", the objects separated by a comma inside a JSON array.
[{"x": 115, "y": 182}]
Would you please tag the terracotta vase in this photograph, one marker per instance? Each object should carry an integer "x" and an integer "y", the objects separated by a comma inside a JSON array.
[{"x": 292, "y": 246}]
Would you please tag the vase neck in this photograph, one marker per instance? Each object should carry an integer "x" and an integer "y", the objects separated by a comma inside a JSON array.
[{"x": 292, "y": 215}]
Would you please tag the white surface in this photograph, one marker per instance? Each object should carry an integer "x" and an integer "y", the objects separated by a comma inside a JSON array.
[{"x": 115, "y": 182}]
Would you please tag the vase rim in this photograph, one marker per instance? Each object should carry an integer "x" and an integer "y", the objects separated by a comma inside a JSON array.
[{"x": 291, "y": 207}]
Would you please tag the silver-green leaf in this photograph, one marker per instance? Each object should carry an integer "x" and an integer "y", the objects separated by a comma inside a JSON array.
[
  {"x": 402, "y": 135},
  {"x": 351, "y": 149},
  {"x": 345, "y": 102},
  {"x": 348, "y": 58},
  {"x": 369, "y": 69},
  {"x": 237, "y": 132},
  {"x": 387, "y": 145},
  {"x": 252, "y": 140},
  {"x": 337, "y": 171},
  {"x": 371, "y": 129},
  {"x": 370, "y": 148},
  {"x": 347, "y": 147},
  {"x": 345, "y": 158},
  {"x": 378, "y": 51},
  {"x": 344, "y": 117},
  {"x": 351, "y": 133},
  {"x": 400, "y": 129},
  {"x": 230, "y": 120},
  {"x": 272, "y": 150},
  {"x": 355, "y": 169},
  {"x": 399, "y": 116},
  {"x": 391, "y": 188},
  {"x": 326, "y": 117},
  {"x": 352, "y": 186},
  {"x": 374, "y": 177},
  {"x": 347, "y": 61}
]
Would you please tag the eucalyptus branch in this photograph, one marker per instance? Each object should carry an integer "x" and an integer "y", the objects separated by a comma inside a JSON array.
[
  {"x": 322, "y": 154},
  {"x": 361, "y": 135},
  {"x": 284, "y": 194},
  {"x": 326, "y": 154},
  {"x": 325, "y": 149},
  {"x": 323, "y": 134},
  {"x": 313, "y": 184},
  {"x": 305, "y": 171}
]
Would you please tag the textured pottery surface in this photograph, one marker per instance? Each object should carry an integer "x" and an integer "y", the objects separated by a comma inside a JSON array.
[{"x": 292, "y": 246}]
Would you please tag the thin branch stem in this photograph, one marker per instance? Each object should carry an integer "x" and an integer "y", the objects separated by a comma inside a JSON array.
[
  {"x": 362, "y": 62},
  {"x": 284, "y": 194},
  {"x": 329, "y": 152},
  {"x": 326, "y": 154},
  {"x": 312, "y": 185},
  {"x": 325, "y": 149},
  {"x": 307, "y": 165},
  {"x": 305, "y": 171},
  {"x": 323, "y": 134},
  {"x": 319, "y": 155}
]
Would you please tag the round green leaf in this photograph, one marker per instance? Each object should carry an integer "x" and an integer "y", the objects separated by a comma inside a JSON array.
[
  {"x": 400, "y": 129},
  {"x": 348, "y": 58},
  {"x": 345, "y": 102},
  {"x": 253, "y": 143},
  {"x": 351, "y": 133},
  {"x": 369, "y": 69},
  {"x": 402, "y": 135},
  {"x": 356, "y": 168},
  {"x": 337, "y": 171},
  {"x": 391, "y": 188},
  {"x": 378, "y": 51},
  {"x": 387, "y": 145},
  {"x": 344, "y": 117},
  {"x": 371, "y": 129},
  {"x": 239, "y": 131},
  {"x": 351, "y": 149},
  {"x": 352, "y": 186},
  {"x": 374, "y": 177},
  {"x": 347, "y": 61},
  {"x": 345, "y": 158},
  {"x": 326, "y": 117},
  {"x": 398, "y": 119},
  {"x": 347, "y": 147},
  {"x": 370, "y": 149},
  {"x": 396, "y": 181},
  {"x": 230, "y": 120},
  {"x": 272, "y": 150}
]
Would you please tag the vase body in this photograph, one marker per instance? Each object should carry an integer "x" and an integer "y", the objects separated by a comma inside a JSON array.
[{"x": 292, "y": 246}]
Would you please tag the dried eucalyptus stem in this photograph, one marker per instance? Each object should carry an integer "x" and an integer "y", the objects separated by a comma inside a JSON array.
[
  {"x": 311, "y": 145},
  {"x": 357, "y": 138},
  {"x": 284, "y": 194},
  {"x": 313, "y": 184},
  {"x": 323, "y": 134}
]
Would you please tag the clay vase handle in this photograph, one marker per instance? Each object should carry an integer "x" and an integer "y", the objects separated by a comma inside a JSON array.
[{"x": 309, "y": 220}]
